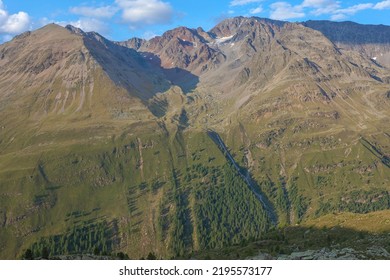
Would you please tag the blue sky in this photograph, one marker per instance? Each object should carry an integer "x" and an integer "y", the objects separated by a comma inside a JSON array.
[{"x": 123, "y": 19}]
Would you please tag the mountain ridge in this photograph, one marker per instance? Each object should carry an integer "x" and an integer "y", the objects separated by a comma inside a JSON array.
[{"x": 185, "y": 143}]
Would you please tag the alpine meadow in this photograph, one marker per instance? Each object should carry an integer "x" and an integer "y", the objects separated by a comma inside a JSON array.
[{"x": 256, "y": 139}]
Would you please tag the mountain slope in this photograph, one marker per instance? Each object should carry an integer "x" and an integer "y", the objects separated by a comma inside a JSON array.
[
  {"x": 190, "y": 142},
  {"x": 371, "y": 40},
  {"x": 61, "y": 80}
]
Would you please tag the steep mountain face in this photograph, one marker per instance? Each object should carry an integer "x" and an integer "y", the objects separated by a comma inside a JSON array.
[
  {"x": 189, "y": 142},
  {"x": 56, "y": 75},
  {"x": 181, "y": 48},
  {"x": 370, "y": 40}
]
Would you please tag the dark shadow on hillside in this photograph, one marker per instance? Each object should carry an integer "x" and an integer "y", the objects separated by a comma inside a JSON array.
[
  {"x": 140, "y": 71},
  {"x": 300, "y": 242},
  {"x": 246, "y": 176},
  {"x": 182, "y": 78},
  {"x": 350, "y": 32},
  {"x": 177, "y": 76},
  {"x": 126, "y": 67},
  {"x": 95, "y": 237}
]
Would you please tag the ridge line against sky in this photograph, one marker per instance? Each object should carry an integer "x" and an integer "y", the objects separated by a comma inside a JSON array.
[{"x": 123, "y": 19}]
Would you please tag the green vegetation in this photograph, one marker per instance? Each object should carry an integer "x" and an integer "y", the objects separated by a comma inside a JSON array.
[
  {"x": 298, "y": 202},
  {"x": 358, "y": 201},
  {"x": 285, "y": 241},
  {"x": 102, "y": 152},
  {"x": 94, "y": 238},
  {"x": 227, "y": 210},
  {"x": 175, "y": 198}
]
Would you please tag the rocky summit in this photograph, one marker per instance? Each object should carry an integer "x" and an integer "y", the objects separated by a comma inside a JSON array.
[{"x": 196, "y": 144}]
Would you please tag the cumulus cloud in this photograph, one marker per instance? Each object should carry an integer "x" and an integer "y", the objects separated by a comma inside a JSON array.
[
  {"x": 340, "y": 14},
  {"x": 88, "y": 24},
  {"x": 319, "y": 3},
  {"x": 94, "y": 12},
  {"x": 382, "y": 5},
  {"x": 333, "y": 8},
  {"x": 145, "y": 12},
  {"x": 284, "y": 11},
  {"x": 337, "y": 17},
  {"x": 14, "y": 23},
  {"x": 321, "y": 7},
  {"x": 243, "y": 2},
  {"x": 257, "y": 10},
  {"x": 354, "y": 9},
  {"x": 149, "y": 35}
]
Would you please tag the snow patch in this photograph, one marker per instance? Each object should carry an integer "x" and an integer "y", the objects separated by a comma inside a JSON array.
[
  {"x": 223, "y": 39},
  {"x": 188, "y": 43}
]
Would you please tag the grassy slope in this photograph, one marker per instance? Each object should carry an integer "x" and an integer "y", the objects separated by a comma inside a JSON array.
[
  {"x": 132, "y": 181},
  {"x": 131, "y": 178},
  {"x": 130, "y": 174},
  {"x": 114, "y": 161}
]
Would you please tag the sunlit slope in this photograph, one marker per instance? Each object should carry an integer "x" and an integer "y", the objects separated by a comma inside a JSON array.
[{"x": 107, "y": 149}]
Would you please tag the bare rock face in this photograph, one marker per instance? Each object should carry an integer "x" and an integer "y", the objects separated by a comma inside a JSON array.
[
  {"x": 182, "y": 48},
  {"x": 260, "y": 67},
  {"x": 371, "y": 40},
  {"x": 244, "y": 59},
  {"x": 236, "y": 51},
  {"x": 133, "y": 43},
  {"x": 57, "y": 74},
  {"x": 61, "y": 62},
  {"x": 373, "y": 252},
  {"x": 304, "y": 114}
]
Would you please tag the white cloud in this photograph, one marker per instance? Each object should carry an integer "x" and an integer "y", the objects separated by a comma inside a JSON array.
[
  {"x": 145, "y": 12},
  {"x": 42, "y": 22},
  {"x": 337, "y": 17},
  {"x": 319, "y": 3},
  {"x": 354, "y": 9},
  {"x": 3, "y": 16},
  {"x": 382, "y": 5},
  {"x": 87, "y": 25},
  {"x": 243, "y": 2},
  {"x": 340, "y": 14},
  {"x": 257, "y": 10},
  {"x": 92, "y": 18},
  {"x": 284, "y": 10},
  {"x": 94, "y": 12},
  {"x": 149, "y": 35},
  {"x": 14, "y": 23},
  {"x": 321, "y": 6}
]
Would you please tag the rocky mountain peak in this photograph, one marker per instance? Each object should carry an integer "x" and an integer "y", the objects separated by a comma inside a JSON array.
[
  {"x": 133, "y": 43},
  {"x": 75, "y": 30},
  {"x": 371, "y": 40},
  {"x": 181, "y": 47},
  {"x": 269, "y": 113},
  {"x": 61, "y": 68},
  {"x": 231, "y": 26}
]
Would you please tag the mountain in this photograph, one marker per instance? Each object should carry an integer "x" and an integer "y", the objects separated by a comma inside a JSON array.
[
  {"x": 194, "y": 143},
  {"x": 62, "y": 77},
  {"x": 370, "y": 40}
]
